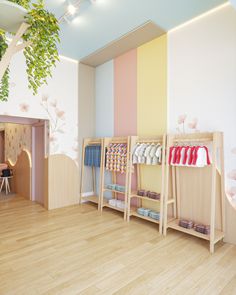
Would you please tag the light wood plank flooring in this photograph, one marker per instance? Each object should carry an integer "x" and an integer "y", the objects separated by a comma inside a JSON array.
[{"x": 77, "y": 251}]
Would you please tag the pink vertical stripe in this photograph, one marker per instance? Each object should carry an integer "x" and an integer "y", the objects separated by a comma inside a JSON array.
[{"x": 125, "y": 94}]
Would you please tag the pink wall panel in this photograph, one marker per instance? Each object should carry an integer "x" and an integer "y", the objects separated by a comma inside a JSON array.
[
  {"x": 125, "y": 99},
  {"x": 125, "y": 94}
]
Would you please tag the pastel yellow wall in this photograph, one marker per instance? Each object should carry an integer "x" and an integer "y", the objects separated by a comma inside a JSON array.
[{"x": 152, "y": 100}]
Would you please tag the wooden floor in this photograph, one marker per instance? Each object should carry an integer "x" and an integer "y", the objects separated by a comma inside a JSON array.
[{"x": 77, "y": 251}]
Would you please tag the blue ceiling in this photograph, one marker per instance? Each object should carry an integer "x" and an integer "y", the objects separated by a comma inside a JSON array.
[{"x": 106, "y": 20}]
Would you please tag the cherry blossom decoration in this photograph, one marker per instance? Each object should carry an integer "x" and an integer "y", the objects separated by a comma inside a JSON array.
[
  {"x": 181, "y": 122},
  {"x": 192, "y": 124},
  {"x": 24, "y": 107},
  {"x": 57, "y": 120}
]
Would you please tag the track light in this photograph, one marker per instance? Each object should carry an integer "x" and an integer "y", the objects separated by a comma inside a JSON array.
[{"x": 71, "y": 9}]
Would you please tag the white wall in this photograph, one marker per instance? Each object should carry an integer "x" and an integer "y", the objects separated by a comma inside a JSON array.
[
  {"x": 202, "y": 82},
  {"x": 104, "y": 108},
  {"x": 105, "y": 99},
  {"x": 86, "y": 114},
  {"x": 57, "y": 101}
]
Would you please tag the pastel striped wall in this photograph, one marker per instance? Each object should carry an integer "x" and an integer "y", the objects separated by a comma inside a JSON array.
[
  {"x": 152, "y": 101},
  {"x": 104, "y": 107},
  {"x": 104, "y": 103},
  {"x": 125, "y": 99},
  {"x": 152, "y": 87},
  {"x": 139, "y": 98},
  {"x": 125, "y": 94}
]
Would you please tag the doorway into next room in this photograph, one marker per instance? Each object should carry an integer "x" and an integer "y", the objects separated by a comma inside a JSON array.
[{"x": 23, "y": 154}]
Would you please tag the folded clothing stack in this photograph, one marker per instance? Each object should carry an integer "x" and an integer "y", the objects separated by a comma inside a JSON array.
[
  {"x": 117, "y": 203},
  {"x": 154, "y": 195},
  {"x": 112, "y": 202},
  {"x": 154, "y": 215},
  {"x": 111, "y": 186},
  {"x": 201, "y": 228},
  {"x": 120, "y": 188},
  {"x": 143, "y": 211},
  {"x": 186, "y": 223},
  {"x": 147, "y": 212},
  {"x": 149, "y": 194},
  {"x": 116, "y": 187}
]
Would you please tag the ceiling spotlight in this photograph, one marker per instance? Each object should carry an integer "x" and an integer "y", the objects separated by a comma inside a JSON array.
[{"x": 71, "y": 9}]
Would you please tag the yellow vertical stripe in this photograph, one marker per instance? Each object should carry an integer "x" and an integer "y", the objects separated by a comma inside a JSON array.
[
  {"x": 152, "y": 101},
  {"x": 152, "y": 87}
]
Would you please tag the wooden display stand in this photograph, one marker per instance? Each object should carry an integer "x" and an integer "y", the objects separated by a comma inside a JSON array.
[
  {"x": 104, "y": 203},
  {"x": 132, "y": 210},
  {"x": 196, "y": 193},
  {"x": 94, "y": 198}
]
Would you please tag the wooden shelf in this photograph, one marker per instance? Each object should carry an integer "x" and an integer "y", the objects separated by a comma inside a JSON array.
[
  {"x": 114, "y": 191},
  {"x": 175, "y": 225},
  {"x": 92, "y": 199},
  {"x": 106, "y": 204},
  {"x": 133, "y": 195},
  {"x": 134, "y": 213},
  {"x": 11, "y": 16}
]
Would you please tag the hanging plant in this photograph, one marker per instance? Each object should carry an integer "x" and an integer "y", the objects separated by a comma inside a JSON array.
[{"x": 42, "y": 54}]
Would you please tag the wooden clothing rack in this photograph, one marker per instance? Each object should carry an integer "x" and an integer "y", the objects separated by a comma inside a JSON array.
[
  {"x": 132, "y": 211},
  {"x": 105, "y": 203},
  {"x": 195, "y": 193},
  {"x": 94, "y": 198}
]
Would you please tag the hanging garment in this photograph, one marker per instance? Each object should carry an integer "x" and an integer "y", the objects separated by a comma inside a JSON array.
[
  {"x": 148, "y": 159},
  {"x": 92, "y": 156},
  {"x": 189, "y": 156},
  {"x": 147, "y": 153},
  {"x": 157, "y": 157},
  {"x": 116, "y": 157},
  {"x": 134, "y": 156},
  {"x": 141, "y": 153}
]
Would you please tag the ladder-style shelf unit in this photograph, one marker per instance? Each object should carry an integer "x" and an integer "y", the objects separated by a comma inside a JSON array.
[
  {"x": 116, "y": 193},
  {"x": 12, "y": 20},
  {"x": 195, "y": 193},
  {"x": 95, "y": 198},
  {"x": 132, "y": 210}
]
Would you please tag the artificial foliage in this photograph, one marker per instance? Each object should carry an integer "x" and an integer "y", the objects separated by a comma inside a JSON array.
[{"x": 41, "y": 55}]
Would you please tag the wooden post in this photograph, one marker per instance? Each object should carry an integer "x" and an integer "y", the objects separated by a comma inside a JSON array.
[
  {"x": 213, "y": 194},
  {"x": 82, "y": 173}
]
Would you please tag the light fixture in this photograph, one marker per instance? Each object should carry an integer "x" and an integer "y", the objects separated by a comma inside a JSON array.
[{"x": 71, "y": 9}]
